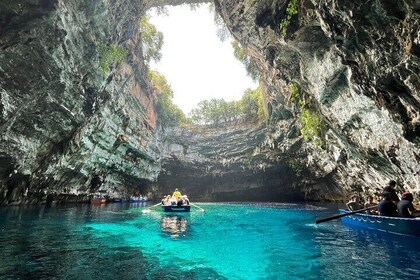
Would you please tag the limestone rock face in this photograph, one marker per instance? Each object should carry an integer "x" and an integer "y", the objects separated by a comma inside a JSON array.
[
  {"x": 357, "y": 62},
  {"x": 69, "y": 126},
  {"x": 72, "y": 123},
  {"x": 238, "y": 162}
]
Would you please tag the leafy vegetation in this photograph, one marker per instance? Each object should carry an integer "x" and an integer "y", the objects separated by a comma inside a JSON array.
[
  {"x": 312, "y": 127},
  {"x": 241, "y": 54},
  {"x": 254, "y": 104},
  {"x": 166, "y": 109},
  {"x": 239, "y": 51},
  {"x": 251, "y": 107},
  {"x": 221, "y": 29},
  {"x": 294, "y": 93},
  {"x": 214, "y": 112},
  {"x": 109, "y": 54},
  {"x": 291, "y": 10},
  {"x": 151, "y": 39}
]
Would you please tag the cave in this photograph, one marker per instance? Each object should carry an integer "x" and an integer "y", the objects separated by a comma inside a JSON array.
[{"x": 341, "y": 82}]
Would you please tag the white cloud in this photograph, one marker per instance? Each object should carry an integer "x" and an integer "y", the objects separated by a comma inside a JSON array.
[{"x": 195, "y": 62}]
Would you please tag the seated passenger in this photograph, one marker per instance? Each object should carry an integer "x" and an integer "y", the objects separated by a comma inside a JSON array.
[
  {"x": 386, "y": 207},
  {"x": 167, "y": 201},
  {"x": 179, "y": 202},
  {"x": 353, "y": 204},
  {"x": 185, "y": 199},
  {"x": 390, "y": 188},
  {"x": 405, "y": 206},
  {"x": 368, "y": 204}
]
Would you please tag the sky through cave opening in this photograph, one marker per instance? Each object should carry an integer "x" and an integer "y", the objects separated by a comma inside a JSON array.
[{"x": 196, "y": 63}]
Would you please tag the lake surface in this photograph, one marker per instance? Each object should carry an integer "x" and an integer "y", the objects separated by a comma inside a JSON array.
[{"x": 226, "y": 241}]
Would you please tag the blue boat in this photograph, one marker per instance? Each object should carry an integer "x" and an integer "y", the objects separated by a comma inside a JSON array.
[
  {"x": 176, "y": 208},
  {"x": 119, "y": 199},
  {"x": 395, "y": 225}
]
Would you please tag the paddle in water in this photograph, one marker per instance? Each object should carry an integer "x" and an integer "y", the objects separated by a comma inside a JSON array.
[
  {"x": 148, "y": 208},
  {"x": 342, "y": 215},
  {"x": 197, "y": 207}
]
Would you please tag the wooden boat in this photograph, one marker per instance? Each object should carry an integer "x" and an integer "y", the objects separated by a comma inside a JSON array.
[
  {"x": 97, "y": 200},
  {"x": 396, "y": 225},
  {"x": 176, "y": 208}
]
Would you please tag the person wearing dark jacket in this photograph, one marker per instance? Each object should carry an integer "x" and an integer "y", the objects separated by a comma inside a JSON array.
[
  {"x": 390, "y": 188},
  {"x": 386, "y": 207},
  {"x": 405, "y": 206}
]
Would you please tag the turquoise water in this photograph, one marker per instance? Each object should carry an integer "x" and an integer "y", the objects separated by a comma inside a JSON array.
[{"x": 226, "y": 241}]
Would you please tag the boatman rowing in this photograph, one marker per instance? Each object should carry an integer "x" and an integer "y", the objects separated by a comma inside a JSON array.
[{"x": 176, "y": 194}]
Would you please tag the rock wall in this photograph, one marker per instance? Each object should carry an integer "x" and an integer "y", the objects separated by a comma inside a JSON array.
[
  {"x": 358, "y": 63},
  {"x": 67, "y": 125},
  {"x": 70, "y": 127},
  {"x": 236, "y": 162}
]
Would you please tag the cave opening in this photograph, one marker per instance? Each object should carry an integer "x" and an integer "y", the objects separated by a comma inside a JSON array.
[
  {"x": 214, "y": 81},
  {"x": 204, "y": 67}
]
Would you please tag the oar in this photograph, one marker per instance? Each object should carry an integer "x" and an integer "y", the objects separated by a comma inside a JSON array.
[
  {"x": 342, "y": 215},
  {"x": 197, "y": 206},
  {"x": 148, "y": 208}
]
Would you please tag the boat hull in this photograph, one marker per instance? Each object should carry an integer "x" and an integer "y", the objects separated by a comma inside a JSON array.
[
  {"x": 120, "y": 200},
  {"x": 98, "y": 201},
  {"x": 175, "y": 208},
  {"x": 395, "y": 225}
]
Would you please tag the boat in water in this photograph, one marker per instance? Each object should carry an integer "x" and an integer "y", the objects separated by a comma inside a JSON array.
[
  {"x": 176, "y": 208},
  {"x": 176, "y": 203},
  {"x": 139, "y": 199},
  {"x": 97, "y": 200},
  {"x": 395, "y": 225},
  {"x": 119, "y": 199}
]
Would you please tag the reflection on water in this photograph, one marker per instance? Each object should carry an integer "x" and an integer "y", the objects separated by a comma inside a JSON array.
[
  {"x": 138, "y": 204},
  {"x": 175, "y": 225},
  {"x": 226, "y": 241}
]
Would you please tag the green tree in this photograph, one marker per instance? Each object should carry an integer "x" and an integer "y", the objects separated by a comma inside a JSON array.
[
  {"x": 241, "y": 54},
  {"x": 151, "y": 39},
  {"x": 211, "y": 112},
  {"x": 254, "y": 104},
  {"x": 166, "y": 109},
  {"x": 221, "y": 29}
]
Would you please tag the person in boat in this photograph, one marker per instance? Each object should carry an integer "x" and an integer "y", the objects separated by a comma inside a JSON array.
[
  {"x": 185, "y": 200},
  {"x": 176, "y": 194},
  {"x": 405, "y": 206},
  {"x": 390, "y": 188},
  {"x": 369, "y": 203},
  {"x": 387, "y": 207},
  {"x": 179, "y": 202},
  {"x": 353, "y": 204},
  {"x": 167, "y": 200}
]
